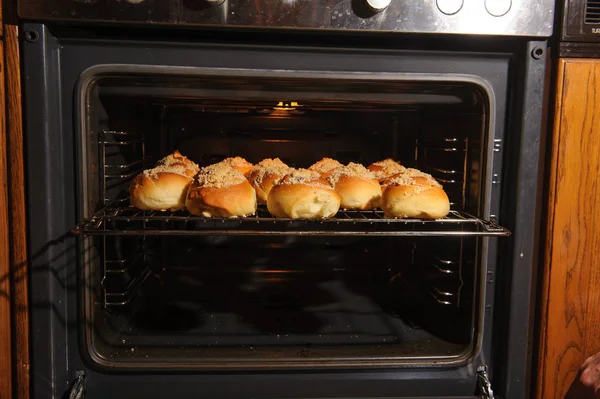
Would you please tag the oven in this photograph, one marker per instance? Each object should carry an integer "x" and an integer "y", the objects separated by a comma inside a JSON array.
[{"x": 156, "y": 304}]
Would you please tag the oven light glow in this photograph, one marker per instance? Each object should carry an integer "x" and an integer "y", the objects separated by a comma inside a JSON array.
[{"x": 286, "y": 106}]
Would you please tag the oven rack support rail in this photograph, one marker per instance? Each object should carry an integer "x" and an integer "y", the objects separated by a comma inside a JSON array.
[{"x": 127, "y": 220}]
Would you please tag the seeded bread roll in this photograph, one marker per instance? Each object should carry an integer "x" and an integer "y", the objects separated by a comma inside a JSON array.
[
  {"x": 239, "y": 164},
  {"x": 414, "y": 194},
  {"x": 357, "y": 187},
  {"x": 303, "y": 194},
  {"x": 265, "y": 175},
  {"x": 386, "y": 168},
  {"x": 220, "y": 191},
  {"x": 163, "y": 187},
  {"x": 325, "y": 166},
  {"x": 177, "y": 160}
]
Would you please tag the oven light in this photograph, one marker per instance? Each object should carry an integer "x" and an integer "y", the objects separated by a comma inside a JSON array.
[{"x": 286, "y": 106}]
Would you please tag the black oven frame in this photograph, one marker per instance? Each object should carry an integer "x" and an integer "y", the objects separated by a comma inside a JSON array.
[{"x": 54, "y": 59}]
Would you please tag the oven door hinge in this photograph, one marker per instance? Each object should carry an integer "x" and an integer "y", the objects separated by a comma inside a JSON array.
[
  {"x": 484, "y": 386},
  {"x": 77, "y": 389}
]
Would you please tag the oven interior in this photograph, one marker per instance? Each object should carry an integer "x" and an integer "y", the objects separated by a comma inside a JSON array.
[{"x": 226, "y": 301}]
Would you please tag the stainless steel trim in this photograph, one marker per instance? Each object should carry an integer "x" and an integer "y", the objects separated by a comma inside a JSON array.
[{"x": 532, "y": 18}]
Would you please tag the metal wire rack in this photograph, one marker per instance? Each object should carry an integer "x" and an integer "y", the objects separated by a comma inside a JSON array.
[
  {"x": 127, "y": 220},
  {"x": 123, "y": 155}
]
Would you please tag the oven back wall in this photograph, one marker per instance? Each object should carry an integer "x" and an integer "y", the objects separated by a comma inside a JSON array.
[{"x": 52, "y": 69}]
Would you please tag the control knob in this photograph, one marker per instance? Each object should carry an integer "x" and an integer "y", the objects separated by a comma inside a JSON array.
[{"x": 378, "y": 5}]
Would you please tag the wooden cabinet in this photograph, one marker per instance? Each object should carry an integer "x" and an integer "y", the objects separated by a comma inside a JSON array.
[
  {"x": 570, "y": 305},
  {"x": 5, "y": 303},
  {"x": 14, "y": 327}
]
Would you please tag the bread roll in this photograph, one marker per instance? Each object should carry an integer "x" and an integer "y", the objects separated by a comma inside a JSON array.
[
  {"x": 303, "y": 194},
  {"x": 414, "y": 194},
  {"x": 163, "y": 187},
  {"x": 357, "y": 187},
  {"x": 220, "y": 191},
  {"x": 386, "y": 168},
  {"x": 176, "y": 160},
  {"x": 325, "y": 166},
  {"x": 265, "y": 175},
  {"x": 239, "y": 164}
]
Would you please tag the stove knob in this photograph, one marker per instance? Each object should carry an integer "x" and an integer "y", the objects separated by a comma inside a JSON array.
[
  {"x": 498, "y": 7},
  {"x": 378, "y": 5},
  {"x": 449, "y": 7},
  {"x": 215, "y": 2}
]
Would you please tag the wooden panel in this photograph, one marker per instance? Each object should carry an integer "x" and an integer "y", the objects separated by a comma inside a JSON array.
[
  {"x": 570, "y": 324},
  {"x": 17, "y": 215},
  {"x": 5, "y": 296}
]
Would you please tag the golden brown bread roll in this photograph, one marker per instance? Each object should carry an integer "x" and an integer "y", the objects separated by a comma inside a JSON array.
[
  {"x": 357, "y": 187},
  {"x": 163, "y": 187},
  {"x": 239, "y": 164},
  {"x": 325, "y": 166},
  {"x": 303, "y": 194},
  {"x": 176, "y": 160},
  {"x": 385, "y": 168},
  {"x": 220, "y": 191},
  {"x": 414, "y": 194},
  {"x": 265, "y": 175}
]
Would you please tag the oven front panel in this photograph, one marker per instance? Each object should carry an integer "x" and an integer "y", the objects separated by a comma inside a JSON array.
[
  {"x": 53, "y": 67},
  {"x": 483, "y": 17}
]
